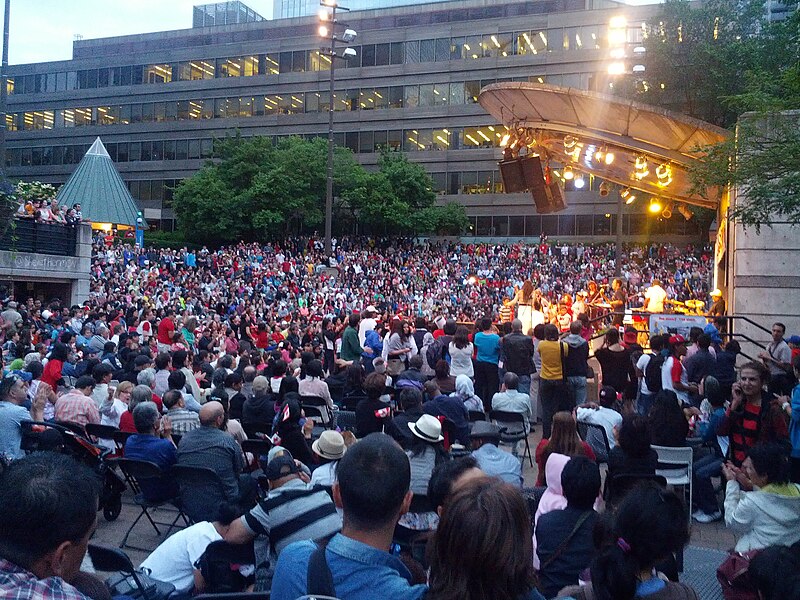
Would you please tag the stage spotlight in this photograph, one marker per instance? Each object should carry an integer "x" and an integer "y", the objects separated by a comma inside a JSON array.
[
  {"x": 655, "y": 206},
  {"x": 605, "y": 188}
]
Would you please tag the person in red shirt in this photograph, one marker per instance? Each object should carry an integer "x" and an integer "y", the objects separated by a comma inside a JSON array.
[{"x": 166, "y": 327}]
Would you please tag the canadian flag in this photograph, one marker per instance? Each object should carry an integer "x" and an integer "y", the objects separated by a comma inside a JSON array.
[
  {"x": 382, "y": 413},
  {"x": 285, "y": 414}
]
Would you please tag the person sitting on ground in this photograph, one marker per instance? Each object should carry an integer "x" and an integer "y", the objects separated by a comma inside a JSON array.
[
  {"x": 452, "y": 409},
  {"x": 761, "y": 505},
  {"x": 153, "y": 443},
  {"x": 48, "y": 513},
  {"x": 602, "y": 414},
  {"x": 373, "y": 491},
  {"x": 174, "y": 560},
  {"x": 494, "y": 462},
  {"x": 373, "y": 412},
  {"x": 291, "y": 512},
  {"x": 563, "y": 440},
  {"x": 410, "y": 402},
  {"x": 564, "y": 542},
  {"x": 633, "y": 455},
  {"x": 649, "y": 526},
  {"x": 482, "y": 548}
]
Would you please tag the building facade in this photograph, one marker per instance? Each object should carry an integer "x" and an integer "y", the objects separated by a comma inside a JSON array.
[{"x": 158, "y": 101}]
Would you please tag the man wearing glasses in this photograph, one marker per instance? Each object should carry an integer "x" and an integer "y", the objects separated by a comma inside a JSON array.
[{"x": 13, "y": 395}]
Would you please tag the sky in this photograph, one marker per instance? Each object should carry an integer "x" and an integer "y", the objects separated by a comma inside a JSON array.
[{"x": 43, "y": 30}]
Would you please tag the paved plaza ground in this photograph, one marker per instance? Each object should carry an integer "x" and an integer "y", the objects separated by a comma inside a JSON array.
[{"x": 706, "y": 550}]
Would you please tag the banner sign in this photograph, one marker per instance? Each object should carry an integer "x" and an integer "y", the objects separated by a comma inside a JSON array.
[{"x": 676, "y": 323}]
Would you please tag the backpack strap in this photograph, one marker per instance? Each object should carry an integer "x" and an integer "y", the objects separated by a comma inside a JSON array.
[
  {"x": 319, "y": 579},
  {"x": 567, "y": 540}
]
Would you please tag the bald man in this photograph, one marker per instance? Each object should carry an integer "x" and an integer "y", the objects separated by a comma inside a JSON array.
[{"x": 212, "y": 447}]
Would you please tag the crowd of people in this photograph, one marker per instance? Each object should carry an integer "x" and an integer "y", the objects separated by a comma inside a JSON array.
[
  {"x": 43, "y": 211},
  {"x": 378, "y": 403}
]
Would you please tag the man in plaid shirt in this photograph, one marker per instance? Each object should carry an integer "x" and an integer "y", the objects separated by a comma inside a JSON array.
[
  {"x": 48, "y": 508},
  {"x": 77, "y": 406}
]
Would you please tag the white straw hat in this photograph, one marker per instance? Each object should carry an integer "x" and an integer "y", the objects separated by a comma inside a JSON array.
[{"x": 427, "y": 428}]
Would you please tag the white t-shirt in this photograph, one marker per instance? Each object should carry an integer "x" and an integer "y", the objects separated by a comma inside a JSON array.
[
  {"x": 666, "y": 379},
  {"x": 641, "y": 364},
  {"x": 607, "y": 418},
  {"x": 173, "y": 561},
  {"x": 363, "y": 327},
  {"x": 656, "y": 296}
]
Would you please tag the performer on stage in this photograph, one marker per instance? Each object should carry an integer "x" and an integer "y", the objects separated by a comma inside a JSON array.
[
  {"x": 594, "y": 299},
  {"x": 524, "y": 299},
  {"x": 619, "y": 301},
  {"x": 654, "y": 298}
]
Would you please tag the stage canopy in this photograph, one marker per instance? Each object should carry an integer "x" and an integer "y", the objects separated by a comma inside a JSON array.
[{"x": 634, "y": 145}]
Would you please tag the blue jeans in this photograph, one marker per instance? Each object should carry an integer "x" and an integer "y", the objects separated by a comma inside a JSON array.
[
  {"x": 578, "y": 385},
  {"x": 703, "y": 470},
  {"x": 644, "y": 403}
]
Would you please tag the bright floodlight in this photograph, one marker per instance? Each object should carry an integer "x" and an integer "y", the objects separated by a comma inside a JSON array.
[
  {"x": 349, "y": 35},
  {"x": 323, "y": 31},
  {"x": 349, "y": 53}
]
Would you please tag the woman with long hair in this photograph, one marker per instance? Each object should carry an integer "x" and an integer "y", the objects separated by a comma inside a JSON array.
[
  {"x": 564, "y": 440},
  {"x": 399, "y": 347},
  {"x": 524, "y": 299},
  {"x": 482, "y": 549},
  {"x": 668, "y": 425},
  {"x": 650, "y": 526},
  {"x": 294, "y": 430},
  {"x": 52, "y": 370},
  {"x": 461, "y": 351}
]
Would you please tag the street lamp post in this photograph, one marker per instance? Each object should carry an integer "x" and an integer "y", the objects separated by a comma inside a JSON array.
[
  {"x": 330, "y": 35},
  {"x": 4, "y": 84}
]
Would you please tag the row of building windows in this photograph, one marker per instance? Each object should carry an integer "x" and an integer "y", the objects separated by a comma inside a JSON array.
[
  {"x": 579, "y": 225},
  {"x": 493, "y": 45},
  {"x": 288, "y": 103}
]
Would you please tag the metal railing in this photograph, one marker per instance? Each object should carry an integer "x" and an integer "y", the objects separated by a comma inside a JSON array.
[{"x": 26, "y": 235}]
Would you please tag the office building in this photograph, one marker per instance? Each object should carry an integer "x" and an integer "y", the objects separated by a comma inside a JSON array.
[{"x": 158, "y": 100}]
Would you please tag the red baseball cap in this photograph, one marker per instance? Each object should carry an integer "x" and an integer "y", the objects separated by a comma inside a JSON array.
[{"x": 677, "y": 339}]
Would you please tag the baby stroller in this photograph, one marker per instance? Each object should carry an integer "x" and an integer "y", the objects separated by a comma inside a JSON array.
[{"x": 39, "y": 436}]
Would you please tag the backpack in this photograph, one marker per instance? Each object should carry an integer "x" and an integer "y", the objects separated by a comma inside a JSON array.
[
  {"x": 438, "y": 350},
  {"x": 652, "y": 373}
]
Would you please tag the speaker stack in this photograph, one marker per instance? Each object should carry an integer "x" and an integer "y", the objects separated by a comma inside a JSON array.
[{"x": 525, "y": 173}]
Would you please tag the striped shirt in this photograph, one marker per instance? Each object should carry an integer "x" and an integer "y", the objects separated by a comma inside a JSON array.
[
  {"x": 291, "y": 513},
  {"x": 744, "y": 431},
  {"x": 183, "y": 420}
]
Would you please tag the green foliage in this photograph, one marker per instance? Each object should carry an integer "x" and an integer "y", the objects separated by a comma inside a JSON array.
[
  {"x": 35, "y": 190},
  {"x": 254, "y": 190}
]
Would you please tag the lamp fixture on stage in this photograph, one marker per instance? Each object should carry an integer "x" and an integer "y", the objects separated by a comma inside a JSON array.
[
  {"x": 655, "y": 206},
  {"x": 641, "y": 167},
  {"x": 667, "y": 212},
  {"x": 605, "y": 188},
  {"x": 685, "y": 212},
  {"x": 579, "y": 182},
  {"x": 664, "y": 175},
  {"x": 628, "y": 196},
  {"x": 569, "y": 143},
  {"x": 568, "y": 173}
]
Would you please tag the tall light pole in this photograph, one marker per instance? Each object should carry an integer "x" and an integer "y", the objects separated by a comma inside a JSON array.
[{"x": 327, "y": 30}]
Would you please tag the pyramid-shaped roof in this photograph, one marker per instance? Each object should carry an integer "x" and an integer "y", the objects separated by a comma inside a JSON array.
[{"x": 98, "y": 187}]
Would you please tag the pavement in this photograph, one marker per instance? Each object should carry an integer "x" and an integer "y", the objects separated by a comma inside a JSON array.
[{"x": 707, "y": 548}]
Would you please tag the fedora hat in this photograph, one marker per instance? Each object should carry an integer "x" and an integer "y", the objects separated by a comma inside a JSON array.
[
  {"x": 427, "y": 428},
  {"x": 330, "y": 445}
]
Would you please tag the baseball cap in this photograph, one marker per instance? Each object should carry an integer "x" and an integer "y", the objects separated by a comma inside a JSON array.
[
  {"x": 795, "y": 339},
  {"x": 676, "y": 339},
  {"x": 608, "y": 394},
  {"x": 281, "y": 466}
]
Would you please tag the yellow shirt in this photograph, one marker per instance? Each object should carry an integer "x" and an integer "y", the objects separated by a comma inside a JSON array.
[{"x": 551, "y": 359}]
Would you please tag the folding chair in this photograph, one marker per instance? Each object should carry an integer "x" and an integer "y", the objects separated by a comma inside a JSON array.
[
  {"x": 75, "y": 428},
  {"x": 346, "y": 420},
  {"x": 619, "y": 485},
  {"x": 675, "y": 465},
  {"x": 137, "y": 471},
  {"x": 350, "y": 402},
  {"x": 97, "y": 432},
  {"x": 201, "y": 492},
  {"x": 113, "y": 560},
  {"x": 597, "y": 438},
  {"x": 512, "y": 429},
  {"x": 120, "y": 437},
  {"x": 256, "y": 448},
  {"x": 317, "y": 409},
  {"x": 476, "y": 415}
]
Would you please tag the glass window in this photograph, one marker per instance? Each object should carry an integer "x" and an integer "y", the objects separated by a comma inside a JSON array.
[
  {"x": 194, "y": 149},
  {"x": 533, "y": 225},
  {"x": 454, "y": 183},
  {"x": 246, "y": 107},
  {"x": 122, "y": 152},
  {"x": 148, "y": 112},
  {"x": 169, "y": 150},
  {"x": 411, "y": 141},
  {"x": 554, "y": 39},
  {"x": 441, "y": 139},
  {"x": 469, "y": 182},
  {"x": 285, "y": 61},
  {"x": 172, "y": 111},
  {"x": 395, "y": 139},
  {"x": 583, "y": 224},
  {"x": 272, "y": 65},
  {"x": 456, "y": 93},
  {"x": 483, "y": 226},
  {"x": 36, "y": 156},
  {"x": 181, "y": 149},
  {"x": 411, "y": 96},
  {"x": 298, "y": 61},
  {"x": 147, "y": 152},
  {"x": 366, "y": 142},
  {"x": 566, "y": 224},
  {"x": 206, "y": 108},
  {"x": 206, "y": 148},
  {"x": 603, "y": 225},
  {"x": 61, "y": 82},
  {"x": 317, "y": 61},
  {"x": 380, "y": 140},
  {"x": 368, "y": 55},
  {"x": 550, "y": 224},
  {"x": 144, "y": 191},
  {"x": 472, "y": 90},
  {"x": 484, "y": 185},
  {"x": 396, "y": 97},
  {"x": 351, "y": 141},
  {"x": 456, "y": 48},
  {"x": 427, "y": 51},
  {"x": 157, "y": 150},
  {"x": 83, "y": 116},
  {"x": 158, "y": 73},
  {"x": 220, "y": 108},
  {"x": 441, "y": 94},
  {"x": 516, "y": 225},
  {"x": 250, "y": 65},
  {"x": 381, "y": 55},
  {"x": 135, "y": 152},
  {"x": 442, "y": 50},
  {"x": 229, "y": 67},
  {"x": 412, "y": 52},
  {"x": 312, "y": 102},
  {"x": 396, "y": 53},
  {"x": 426, "y": 97},
  {"x": 159, "y": 111},
  {"x": 439, "y": 183}
]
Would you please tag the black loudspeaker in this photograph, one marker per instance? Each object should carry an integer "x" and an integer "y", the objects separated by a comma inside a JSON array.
[
  {"x": 520, "y": 174},
  {"x": 541, "y": 198},
  {"x": 556, "y": 196}
]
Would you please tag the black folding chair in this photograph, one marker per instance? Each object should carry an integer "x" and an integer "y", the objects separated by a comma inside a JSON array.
[
  {"x": 476, "y": 415},
  {"x": 257, "y": 431},
  {"x": 619, "y": 485},
  {"x": 596, "y": 437},
  {"x": 317, "y": 409},
  {"x": 139, "y": 471},
  {"x": 350, "y": 402},
  {"x": 201, "y": 492},
  {"x": 120, "y": 437},
  {"x": 346, "y": 420},
  {"x": 97, "y": 432},
  {"x": 512, "y": 429},
  {"x": 112, "y": 560},
  {"x": 75, "y": 428}
]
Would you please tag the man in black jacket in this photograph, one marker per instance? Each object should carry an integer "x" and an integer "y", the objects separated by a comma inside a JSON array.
[
  {"x": 576, "y": 362},
  {"x": 518, "y": 350}
]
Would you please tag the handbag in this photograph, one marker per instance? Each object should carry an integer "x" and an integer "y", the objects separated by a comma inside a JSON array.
[{"x": 734, "y": 577}]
